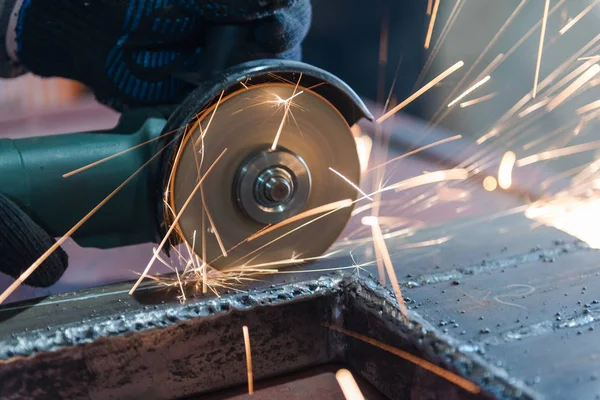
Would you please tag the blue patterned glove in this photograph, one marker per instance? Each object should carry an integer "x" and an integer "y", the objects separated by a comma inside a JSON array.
[{"x": 130, "y": 51}]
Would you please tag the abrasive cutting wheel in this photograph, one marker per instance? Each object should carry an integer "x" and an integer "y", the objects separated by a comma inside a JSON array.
[{"x": 252, "y": 186}]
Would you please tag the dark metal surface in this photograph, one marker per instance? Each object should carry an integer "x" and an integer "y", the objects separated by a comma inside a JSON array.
[{"x": 177, "y": 350}]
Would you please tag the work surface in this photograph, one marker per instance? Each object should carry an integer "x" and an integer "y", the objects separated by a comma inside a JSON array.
[{"x": 522, "y": 295}]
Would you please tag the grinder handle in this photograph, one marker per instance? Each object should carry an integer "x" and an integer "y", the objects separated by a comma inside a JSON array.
[{"x": 32, "y": 169}]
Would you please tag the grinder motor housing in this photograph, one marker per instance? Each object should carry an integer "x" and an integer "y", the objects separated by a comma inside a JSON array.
[{"x": 32, "y": 169}]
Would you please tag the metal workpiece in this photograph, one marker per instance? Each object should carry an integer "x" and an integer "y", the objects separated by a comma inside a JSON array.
[{"x": 174, "y": 350}]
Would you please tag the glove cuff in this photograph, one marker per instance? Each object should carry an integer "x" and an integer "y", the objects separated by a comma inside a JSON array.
[{"x": 22, "y": 242}]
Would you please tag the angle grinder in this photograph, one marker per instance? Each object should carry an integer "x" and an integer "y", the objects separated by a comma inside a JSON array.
[{"x": 258, "y": 181}]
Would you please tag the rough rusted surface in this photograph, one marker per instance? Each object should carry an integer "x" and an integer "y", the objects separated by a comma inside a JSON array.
[
  {"x": 173, "y": 351},
  {"x": 179, "y": 350},
  {"x": 372, "y": 311}
]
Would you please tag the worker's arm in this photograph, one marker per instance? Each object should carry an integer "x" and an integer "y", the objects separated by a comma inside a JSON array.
[{"x": 130, "y": 52}]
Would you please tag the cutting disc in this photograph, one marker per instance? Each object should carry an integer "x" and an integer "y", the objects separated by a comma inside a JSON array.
[{"x": 313, "y": 138}]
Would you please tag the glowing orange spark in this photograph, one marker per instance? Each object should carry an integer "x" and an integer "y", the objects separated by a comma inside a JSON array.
[
  {"x": 439, "y": 371},
  {"x": 174, "y": 223},
  {"x": 490, "y": 184},
  {"x": 432, "y": 23},
  {"x": 429, "y": 6},
  {"x": 248, "y": 359},
  {"x": 349, "y": 182},
  {"x": 212, "y": 225},
  {"x": 288, "y": 103},
  {"x": 565, "y": 151},
  {"x": 413, "y": 152},
  {"x": 478, "y": 100},
  {"x": 589, "y": 107},
  {"x": 302, "y": 215},
  {"x": 70, "y": 232},
  {"x": 419, "y": 92},
  {"x": 201, "y": 137},
  {"x": 348, "y": 385},
  {"x": 78, "y": 170},
  {"x": 540, "y": 49},
  {"x": 469, "y": 91},
  {"x": 577, "y": 18},
  {"x": 387, "y": 261},
  {"x": 505, "y": 170},
  {"x": 572, "y": 88}
]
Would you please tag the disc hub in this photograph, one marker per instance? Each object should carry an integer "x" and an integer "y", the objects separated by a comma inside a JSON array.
[{"x": 273, "y": 186}]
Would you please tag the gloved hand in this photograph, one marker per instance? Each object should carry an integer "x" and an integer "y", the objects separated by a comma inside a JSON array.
[
  {"x": 22, "y": 242},
  {"x": 129, "y": 51}
]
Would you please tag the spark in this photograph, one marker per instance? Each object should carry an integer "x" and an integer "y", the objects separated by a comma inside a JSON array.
[
  {"x": 248, "y": 359},
  {"x": 552, "y": 154},
  {"x": 433, "y": 177},
  {"x": 429, "y": 6},
  {"x": 340, "y": 207},
  {"x": 427, "y": 243},
  {"x": 351, "y": 183},
  {"x": 348, "y": 385},
  {"x": 540, "y": 49},
  {"x": 449, "y": 194},
  {"x": 428, "y": 178},
  {"x": 364, "y": 145},
  {"x": 572, "y": 88},
  {"x": 287, "y": 104},
  {"x": 478, "y": 100},
  {"x": 578, "y": 217},
  {"x": 458, "y": 6},
  {"x": 505, "y": 170},
  {"x": 419, "y": 92},
  {"x": 203, "y": 132},
  {"x": 174, "y": 222},
  {"x": 534, "y": 107},
  {"x": 506, "y": 24},
  {"x": 490, "y": 184},
  {"x": 592, "y": 58},
  {"x": 432, "y": 23},
  {"x": 439, "y": 371},
  {"x": 577, "y": 18},
  {"x": 413, "y": 152},
  {"x": 309, "y": 213},
  {"x": 588, "y": 107},
  {"x": 212, "y": 225},
  {"x": 281, "y": 263},
  {"x": 380, "y": 266},
  {"x": 576, "y": 72},
  {"x": 469, "y": 90},
  {"x": 70, "y": 232},
  {"x": 95, "y": 163},
  {"x": 387, "y": 261}
]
